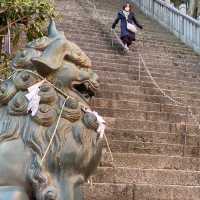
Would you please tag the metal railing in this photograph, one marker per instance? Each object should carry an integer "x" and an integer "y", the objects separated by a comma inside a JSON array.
[{"x": 183, "y": 26}]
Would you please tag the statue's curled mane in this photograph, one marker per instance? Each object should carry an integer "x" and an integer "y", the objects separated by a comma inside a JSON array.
[{"x": 17, "y": 123}]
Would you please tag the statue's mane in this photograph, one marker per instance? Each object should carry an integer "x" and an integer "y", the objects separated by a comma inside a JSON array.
[
  {"x": 35, "y": 131},
  {"x": 16, "y": 127}
]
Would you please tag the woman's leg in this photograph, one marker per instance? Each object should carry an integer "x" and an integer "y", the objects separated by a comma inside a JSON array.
[
  {"x": 129, "y": 42},
  {"x": 125, "y": 40},
  {"x": 131, "y": 38}
]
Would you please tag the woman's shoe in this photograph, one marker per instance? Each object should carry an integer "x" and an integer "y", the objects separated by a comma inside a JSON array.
[{"x": 126, "y": 47}]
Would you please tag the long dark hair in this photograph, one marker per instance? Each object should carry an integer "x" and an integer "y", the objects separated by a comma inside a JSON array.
[{"x": 127, "y": 4}]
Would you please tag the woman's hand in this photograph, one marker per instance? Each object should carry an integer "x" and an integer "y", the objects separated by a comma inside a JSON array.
[{"x": 142, "y": 26}]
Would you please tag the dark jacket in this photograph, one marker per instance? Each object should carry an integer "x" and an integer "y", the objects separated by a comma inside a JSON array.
[{"x": 131, "y": 19}]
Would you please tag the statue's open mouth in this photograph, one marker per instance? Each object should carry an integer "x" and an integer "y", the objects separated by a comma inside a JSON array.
[{"x": 85, "y": 89}]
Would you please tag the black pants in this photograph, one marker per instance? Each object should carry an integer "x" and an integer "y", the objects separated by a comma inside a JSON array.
[{"x": 128, "y": 39}]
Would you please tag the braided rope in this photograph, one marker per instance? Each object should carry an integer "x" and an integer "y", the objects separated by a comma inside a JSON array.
[{"x": 55, "y": 131}]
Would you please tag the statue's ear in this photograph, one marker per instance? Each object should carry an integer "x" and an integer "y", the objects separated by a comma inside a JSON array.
[
  {"x": 52, "y": 30},
  {"x": 52, "y": 57}
]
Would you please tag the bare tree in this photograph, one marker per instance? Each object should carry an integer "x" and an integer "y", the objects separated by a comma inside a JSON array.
[{"x": 194, "y": 8}]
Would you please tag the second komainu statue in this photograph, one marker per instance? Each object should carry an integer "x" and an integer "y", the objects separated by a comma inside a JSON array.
[{"x": 49, "y": 145}]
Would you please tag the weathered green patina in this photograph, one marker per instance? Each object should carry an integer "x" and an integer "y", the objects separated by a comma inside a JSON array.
[{"x": 76, "y": 148}]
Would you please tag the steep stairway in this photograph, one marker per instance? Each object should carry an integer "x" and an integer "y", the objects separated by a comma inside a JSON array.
[{"x": 155, "y": 143}]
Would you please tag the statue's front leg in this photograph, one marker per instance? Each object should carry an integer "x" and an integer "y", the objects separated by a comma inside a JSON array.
[{"x": 12, "y": 193}]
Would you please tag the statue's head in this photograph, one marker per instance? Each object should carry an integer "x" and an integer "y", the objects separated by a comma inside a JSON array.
[
  {"x": 62, "y": 60},
  {"x": 62, "y": 138}
]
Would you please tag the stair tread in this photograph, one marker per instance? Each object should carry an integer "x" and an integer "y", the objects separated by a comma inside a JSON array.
[{"x": 155, "y": 159}]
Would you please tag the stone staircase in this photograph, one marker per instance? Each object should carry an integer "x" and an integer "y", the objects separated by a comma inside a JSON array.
[{"x": 155, "y": 143}]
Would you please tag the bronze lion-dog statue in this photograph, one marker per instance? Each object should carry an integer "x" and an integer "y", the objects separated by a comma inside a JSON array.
[{"x": 75, "y": 151}]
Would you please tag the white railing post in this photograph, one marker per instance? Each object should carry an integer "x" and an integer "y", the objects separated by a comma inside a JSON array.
[{"x": 183, "y": 26}]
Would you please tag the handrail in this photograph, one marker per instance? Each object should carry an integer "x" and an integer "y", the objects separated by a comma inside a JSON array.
[
  {"x": 178, "y": 11},
  {"x": 183, "y": 26}
]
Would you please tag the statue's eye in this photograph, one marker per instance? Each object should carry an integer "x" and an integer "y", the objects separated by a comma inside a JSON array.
[
  {"x": 3, "y": 87},
  {"x": 25, "y": 77}
]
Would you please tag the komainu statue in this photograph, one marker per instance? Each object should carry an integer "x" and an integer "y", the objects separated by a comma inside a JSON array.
[{"x": 49, "y": 145}]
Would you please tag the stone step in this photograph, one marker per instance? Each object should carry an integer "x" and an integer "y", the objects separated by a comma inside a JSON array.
[
  {"x": 166, "y": 192},
  {"x": 150, "y": 91},
  {"x": 141, "y": 44},
  {"x": 91, "y": 50},
  {"x": 181, "y": 137},
  {"x": 134, "y": 96},
  {"x": 181, "y": 72},
  {"x": 144, "y": 98},
  {"x": 112, "y": 53},
  {"x": 145, "y": 82},
  {"x": 176, "y": 88},
  {"x": 108, "y": 21},
  {"x": 146, "y": 176},
  {"x": 107, "y": 49},
  {"x": 154, "y": 69},
  {"x": 134, "y": 106},
  {"x": 178, "y": 77},
  {"x": 149, "y": 59},
  {"x": 103, "y": 42},
  {"x": 114, "y": 11},
  {"x": 73, "y": 22},
  {"x": 147, "y": 125},
  {"x": 165, "y": 149},
  {"x": 147, "y": 161},
  {"x": 76, "y": 33},
  {"x": 155, "y": 159},
  {"x": 143, "y": 115},
  {"x": 176, "y": 65},
  {"x": 108, "y": 191},
  {"x": 145, "y": 35},
  {"x": 146, "y": 38},
  {"x": 185, "y": 96},
  {"x": 138, "y": 105}
]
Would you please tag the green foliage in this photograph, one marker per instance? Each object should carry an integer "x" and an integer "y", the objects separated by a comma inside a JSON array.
[
  {"x": 25, "y": 15},
  {"x": 5, "y": 70}
]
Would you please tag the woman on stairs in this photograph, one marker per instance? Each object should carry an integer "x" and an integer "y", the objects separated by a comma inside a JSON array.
[{"x": 128, "y": 22}]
